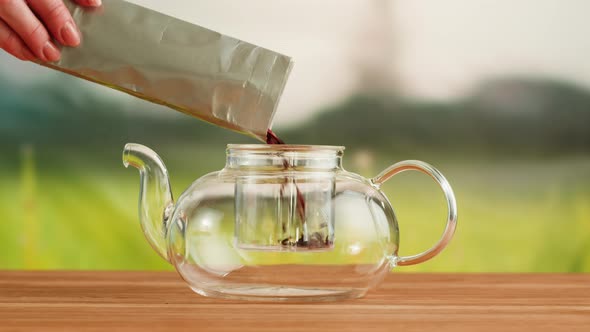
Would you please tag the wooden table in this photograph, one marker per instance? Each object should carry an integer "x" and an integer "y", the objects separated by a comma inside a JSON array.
[{"x": 160, "y": 301}]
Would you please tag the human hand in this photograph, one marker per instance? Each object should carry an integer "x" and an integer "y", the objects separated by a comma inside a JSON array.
[{"x": 26, "y": 27}]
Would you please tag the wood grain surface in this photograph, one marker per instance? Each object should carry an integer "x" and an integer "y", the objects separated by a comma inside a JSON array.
[{"x": 160, "y": 301}]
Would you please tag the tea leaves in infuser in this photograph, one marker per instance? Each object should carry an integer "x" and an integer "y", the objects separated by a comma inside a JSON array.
[{"x": 316, "y": 240}]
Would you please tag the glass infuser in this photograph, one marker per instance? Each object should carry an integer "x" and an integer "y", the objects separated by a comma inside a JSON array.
[{"x": 242, "y": 233}]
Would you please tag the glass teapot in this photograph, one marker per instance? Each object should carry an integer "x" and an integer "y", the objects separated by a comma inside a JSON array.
[{"x": 278, "y": 223}]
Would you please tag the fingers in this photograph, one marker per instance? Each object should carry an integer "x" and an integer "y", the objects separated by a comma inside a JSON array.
[
  {"x": 17, "y": 15},
  {"x": 89, "y": 3},
  {"x": 11, "y": 43},
  {"x": 57, "y": 20},
  {"x": 22, "y": 32}
]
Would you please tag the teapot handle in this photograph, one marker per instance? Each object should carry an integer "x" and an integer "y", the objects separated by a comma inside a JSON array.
[{"x": 415, "y": 165}]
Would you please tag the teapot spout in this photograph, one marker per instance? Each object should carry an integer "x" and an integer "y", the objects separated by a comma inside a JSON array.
[{"x": 155, "y": 196}]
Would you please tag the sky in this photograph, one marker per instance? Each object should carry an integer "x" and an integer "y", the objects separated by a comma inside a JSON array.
[
  {"x": 446, "y": 46},
  {"x": 430, "y": 49}
]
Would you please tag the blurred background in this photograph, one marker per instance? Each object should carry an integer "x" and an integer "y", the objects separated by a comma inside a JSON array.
[{"x": 495, "y": 94}]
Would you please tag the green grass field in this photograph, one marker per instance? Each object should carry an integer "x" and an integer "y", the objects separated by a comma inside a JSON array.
[{"x": 514, "y": 216}]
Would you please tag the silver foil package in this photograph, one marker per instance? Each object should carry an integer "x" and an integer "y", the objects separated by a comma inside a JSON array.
[{"x": 156, "y": 57}]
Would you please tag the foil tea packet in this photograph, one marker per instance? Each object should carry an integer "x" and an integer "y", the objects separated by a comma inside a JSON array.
[{"x": 156, "y": 57}]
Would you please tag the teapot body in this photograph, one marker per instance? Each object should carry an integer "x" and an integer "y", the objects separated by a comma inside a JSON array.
[
  {"x": 225, "y": 249},
  {"x": 285, "y": 223}
]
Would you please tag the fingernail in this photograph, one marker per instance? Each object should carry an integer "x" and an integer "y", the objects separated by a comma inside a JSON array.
[
  {"x": 70, "y": 35},
  {"x": 50, "y": 52},
  {"x": 94, "y": 3},
  {"x": 27, "y": 54}
]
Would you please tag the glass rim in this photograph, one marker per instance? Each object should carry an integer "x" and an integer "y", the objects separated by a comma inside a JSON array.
[{"x": 285, "y": 147}]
